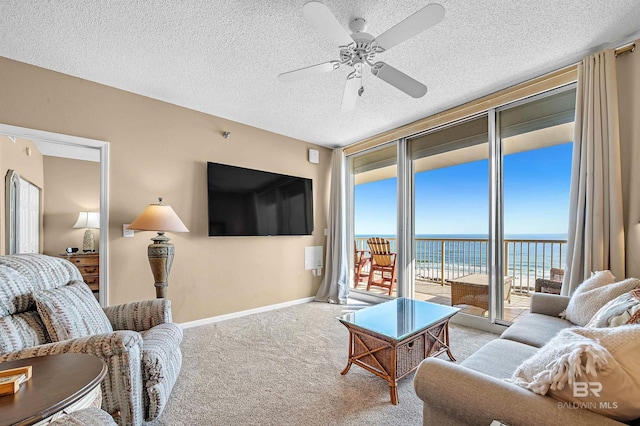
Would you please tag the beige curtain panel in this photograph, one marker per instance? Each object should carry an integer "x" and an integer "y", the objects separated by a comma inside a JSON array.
[
  {"x": 335, "y": 285},
  {"x": 596, "y": 232}
]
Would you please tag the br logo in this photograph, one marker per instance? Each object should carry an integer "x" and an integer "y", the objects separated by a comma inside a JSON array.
[{"x": 583, "y": 389}]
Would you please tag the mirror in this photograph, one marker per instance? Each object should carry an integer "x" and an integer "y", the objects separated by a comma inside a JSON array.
[{"x": 22, "y": 214}]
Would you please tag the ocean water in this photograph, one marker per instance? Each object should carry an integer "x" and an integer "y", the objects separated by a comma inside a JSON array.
[{"x": 527, "y": 256}]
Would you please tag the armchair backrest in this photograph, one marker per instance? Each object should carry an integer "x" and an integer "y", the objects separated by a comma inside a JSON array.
[{"x": 20, "y": 276}]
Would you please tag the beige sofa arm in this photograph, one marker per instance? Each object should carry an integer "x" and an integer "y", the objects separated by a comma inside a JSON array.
[
  {"x": 139, "y": 316},
  {"x": 455, "y": 395},
  {"x": 548, "y": 304}
]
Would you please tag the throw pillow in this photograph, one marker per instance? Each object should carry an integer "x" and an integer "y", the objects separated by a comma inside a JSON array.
[
  {"x": 71, "y": 311},
  {"x": 593, "y": 294},
  {"x": 624, "y": 309},
  {"x": 593, "y": 368}
]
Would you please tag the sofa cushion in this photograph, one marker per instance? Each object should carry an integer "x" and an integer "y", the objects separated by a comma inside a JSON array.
[
  {"x": 71, "y": 311},
  {"x": 583, "y": 304},
  {"x": 624, "y": 309},
  {"x": 20, "y": 331},
  {"x": 499, "y": 358},
  {"x": 535, "y": 329},
  {"x": 596, "y": 368}
]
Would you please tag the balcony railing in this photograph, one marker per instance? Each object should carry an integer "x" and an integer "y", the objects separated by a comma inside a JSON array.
[{"x": 443, "y": 259}]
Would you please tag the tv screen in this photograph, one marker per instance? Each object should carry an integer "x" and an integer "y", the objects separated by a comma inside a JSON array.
[{"x": 254, "y": 202}]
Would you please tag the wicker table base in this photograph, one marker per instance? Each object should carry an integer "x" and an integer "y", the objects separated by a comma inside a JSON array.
[
  {"x": 474, "y": 290},
  {"x": 393, "y": 359}
]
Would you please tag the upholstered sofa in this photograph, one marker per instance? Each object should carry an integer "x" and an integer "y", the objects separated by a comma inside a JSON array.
[
  {"x": 475, "y": 392},
  {"x": 142, "y": 353}
]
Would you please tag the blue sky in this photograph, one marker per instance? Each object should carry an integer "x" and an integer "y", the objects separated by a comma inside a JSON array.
[{"x": 454, "y": 200}]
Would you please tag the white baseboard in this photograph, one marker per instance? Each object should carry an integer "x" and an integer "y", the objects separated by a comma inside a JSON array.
[{"x": 232, "y": 315}]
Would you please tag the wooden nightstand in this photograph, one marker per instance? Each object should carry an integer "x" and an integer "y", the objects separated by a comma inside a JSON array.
[{"x": 89, "y": 266}]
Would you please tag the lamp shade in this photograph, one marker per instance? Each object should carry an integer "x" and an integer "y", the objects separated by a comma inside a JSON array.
[
  {"x": 88, "y": 220},
  {"x": 159, "y": 218}
]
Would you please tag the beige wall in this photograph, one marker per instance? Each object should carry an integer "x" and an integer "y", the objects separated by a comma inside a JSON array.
[
  {"x": 72, "y": 186},
  {"x": 628, "y": 70},
  {"x": 159, "y": 149},
  {"x": 24, "y": 157}
]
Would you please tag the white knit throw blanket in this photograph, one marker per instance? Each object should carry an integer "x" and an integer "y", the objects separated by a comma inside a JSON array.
[{"x": 571, "y": 355}]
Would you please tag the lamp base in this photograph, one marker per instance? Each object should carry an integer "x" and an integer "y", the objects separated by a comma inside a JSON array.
[
  {"x": 160, "y": 259},
  {"x": 88, "y": 242}
]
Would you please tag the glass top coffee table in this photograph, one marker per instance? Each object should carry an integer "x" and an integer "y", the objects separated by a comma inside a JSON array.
[{"x": 392, "y": 338}]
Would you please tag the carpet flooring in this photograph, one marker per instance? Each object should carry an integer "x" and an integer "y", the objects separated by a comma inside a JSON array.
[{"x": 282, "y": 367}]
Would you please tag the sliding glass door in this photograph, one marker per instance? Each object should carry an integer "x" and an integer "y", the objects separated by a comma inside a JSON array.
[
  {"x": 535, "y": 138},
  {"x": 374, "y": 194},
  {"x": 473, "y": 213},
  {"x": 450, "y": 209}
]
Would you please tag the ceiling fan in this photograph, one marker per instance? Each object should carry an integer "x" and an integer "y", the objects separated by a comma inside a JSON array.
[{"x": 361, "y": 48}]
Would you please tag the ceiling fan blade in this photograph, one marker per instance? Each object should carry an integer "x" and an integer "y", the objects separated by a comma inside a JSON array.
[
  {"x": 309, "y": 71},
  {"x": 426, "y": 17},
  {"x": 322, "y": 17},
  {"x": 351, "y": 88},
  {"x": 399, "y": 80}
]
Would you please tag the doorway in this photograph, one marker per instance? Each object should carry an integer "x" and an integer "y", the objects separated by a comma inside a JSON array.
[{"x": 83, "y": 149}]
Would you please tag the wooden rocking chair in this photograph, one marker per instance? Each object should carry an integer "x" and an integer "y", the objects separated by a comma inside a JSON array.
[
  {"x": 360, "y": 260},
  {"x": 383, "y": 261}
]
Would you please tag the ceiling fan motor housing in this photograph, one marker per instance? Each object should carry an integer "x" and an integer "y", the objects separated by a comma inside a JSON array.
[{"x": 362, "y": 50}]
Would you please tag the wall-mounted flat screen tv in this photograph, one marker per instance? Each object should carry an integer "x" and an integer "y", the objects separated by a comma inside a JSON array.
[{"x": 244, "y": 202}]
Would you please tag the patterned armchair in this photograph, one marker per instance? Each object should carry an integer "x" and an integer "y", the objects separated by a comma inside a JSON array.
[{"x": 142, "y": 353}]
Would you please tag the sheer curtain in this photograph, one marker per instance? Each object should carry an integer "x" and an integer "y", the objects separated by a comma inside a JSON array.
[
  {"x": 596, "y": 233},
  {"x": 335, "y": 285}
]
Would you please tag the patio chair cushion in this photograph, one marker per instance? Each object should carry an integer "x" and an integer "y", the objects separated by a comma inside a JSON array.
[
  {"x": 71, "y": 312},
  {"x": 579, "y": 360},
  {"x": 535, "y": 329},
  {"x": 586, "y": 300},
  {"x": 624, "y": 309}
]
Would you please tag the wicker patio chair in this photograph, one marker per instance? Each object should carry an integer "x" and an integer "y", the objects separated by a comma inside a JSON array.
[
  {"x": 383, "y": 261},
  {"x": 551, "y": 285},
  {"x": 360, "y": 260}
]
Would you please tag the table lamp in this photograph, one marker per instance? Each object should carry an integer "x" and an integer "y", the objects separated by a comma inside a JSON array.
[
  {"x": 89, "y": 220},
  {"x": 160, "y": 218}
]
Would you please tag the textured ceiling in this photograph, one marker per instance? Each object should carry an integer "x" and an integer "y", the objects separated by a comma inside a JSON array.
[{"x": 222, "y": 57}]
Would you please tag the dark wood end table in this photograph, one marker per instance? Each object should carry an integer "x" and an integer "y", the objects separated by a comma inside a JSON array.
[{"x": 57, "y": 382}]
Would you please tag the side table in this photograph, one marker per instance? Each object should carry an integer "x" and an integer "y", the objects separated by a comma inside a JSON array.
[
  {"x": 59, "y": 384},
  {"x": 89, "y": 266}
]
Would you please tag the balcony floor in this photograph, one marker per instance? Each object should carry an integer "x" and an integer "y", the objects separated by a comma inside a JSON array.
[{"x": 437, "y": 293}]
